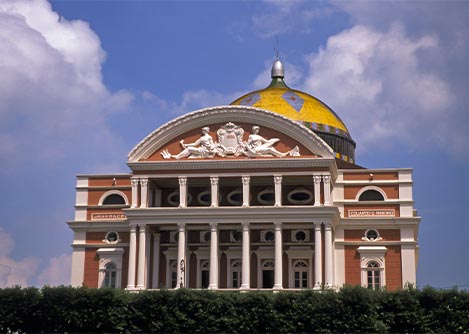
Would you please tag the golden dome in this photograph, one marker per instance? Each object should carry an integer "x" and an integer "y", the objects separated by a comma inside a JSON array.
[
  {"x": 295, "y": 105},
  {"x": 305, "y": 109}
]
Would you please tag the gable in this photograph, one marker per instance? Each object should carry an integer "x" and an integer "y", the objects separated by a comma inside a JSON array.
[{"x": 229, "y": 132}]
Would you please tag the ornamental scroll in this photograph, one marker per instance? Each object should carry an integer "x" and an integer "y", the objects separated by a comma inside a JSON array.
[{"x": 230, "y": 144}]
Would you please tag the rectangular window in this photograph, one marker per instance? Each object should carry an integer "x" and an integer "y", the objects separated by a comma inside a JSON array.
[
  {"x": 174, "y": 277},
  {"x": 304, "y": 279},
  {"x": 297, "y": 279},
  {"x": 235, "y": 279}
]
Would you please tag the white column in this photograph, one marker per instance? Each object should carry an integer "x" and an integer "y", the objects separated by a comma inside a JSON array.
[
  {"x": 135, "y": 182},
  {"x": 182, "y": 192},
  {"x": 132, "y": 257},
  {"x": 317, "y": 190},
  {"x": 246, "y": 179},
  {"x": 144, "y": 193},
  {"x": 246, "y": 266},
  {"x": 181, "y": 276},
  {"x": 317, "y": 255},
  {"x": 327, "y": 189},
  {"x": 214, "y": 191},
  {"x": 278, "y": 257},
  {"x": 328, "y": 254},
  {"x": 278, "y": 190},
  {"x": 213, "y": 283},
  {"x": 141, "y": 257},
  {"x": 156, "y": 261}
]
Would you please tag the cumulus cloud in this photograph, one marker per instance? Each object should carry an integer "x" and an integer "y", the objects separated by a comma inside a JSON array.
[
  {"x": 57, "y": 272},
  {"x": 376, "y": 82},
  {"x": 52, "y": 97},
  {"x": 14, "y": 272},
  {"x": 282, "y": 17}
]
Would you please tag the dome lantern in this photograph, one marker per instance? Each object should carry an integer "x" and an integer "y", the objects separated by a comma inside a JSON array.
[{"x": 277, "y": 70}]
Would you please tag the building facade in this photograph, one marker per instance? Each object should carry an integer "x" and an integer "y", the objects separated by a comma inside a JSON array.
[{"x": 260, "y": 194}]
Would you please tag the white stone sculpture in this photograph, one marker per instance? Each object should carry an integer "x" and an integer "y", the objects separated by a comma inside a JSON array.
[
  {"x": 258, "y": 146},
  {"x": 204, "y": 147},
  {"x": 230, "y": 144}
]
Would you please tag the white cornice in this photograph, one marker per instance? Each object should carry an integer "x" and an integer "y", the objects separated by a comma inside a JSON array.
[
  {"x": 375, "y": 170},
  {"x": 221, "y": 114},
  {"x": 220, "y": 165},
  {"x": 230, "y": 215},
  {"x": 373, "y": 182},
  {"x": 97, "y": 176},
  {"x": 346, "y": 223}
]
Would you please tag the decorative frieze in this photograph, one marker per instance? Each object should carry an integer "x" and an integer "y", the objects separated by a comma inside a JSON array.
[{"x": 230, "y": 144}]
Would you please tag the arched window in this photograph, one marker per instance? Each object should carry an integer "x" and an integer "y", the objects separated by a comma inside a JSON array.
[
  {"x": 300, "y": 272},
  {"x": 173, "y": 273},
  {"x": 113, "y": 198},
  {"x": 373, "y": 274},
  {"x": 110, "y": 274},
  {"x": 371, "y": 195},
  {"x": 205, "y": 271},
  {"x": 236, "y": 274},
  {"x": 268, "y": 274}
]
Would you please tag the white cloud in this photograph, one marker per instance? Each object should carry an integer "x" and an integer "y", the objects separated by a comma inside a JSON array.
[
  {"x": 57, "y": 272},
  {"x": 282, "y": 17},
  {"x": 377, "y": 84},
  {"x": 52, "y": 98},
  {"x": 14, "y": 272}
]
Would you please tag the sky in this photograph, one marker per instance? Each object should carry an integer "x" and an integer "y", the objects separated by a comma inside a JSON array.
[{"x": 82, "y": 82}]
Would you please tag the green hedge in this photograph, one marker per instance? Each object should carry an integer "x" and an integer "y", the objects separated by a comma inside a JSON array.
[{"x": 352, "y": 309}]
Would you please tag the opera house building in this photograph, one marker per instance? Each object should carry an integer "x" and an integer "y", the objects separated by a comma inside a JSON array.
[{"x": 264, "y": 193}]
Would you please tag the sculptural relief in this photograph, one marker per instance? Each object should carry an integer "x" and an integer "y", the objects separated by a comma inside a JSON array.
[
  {"x": 204, "y": 147},
  {"x": 230, "y": 144}
]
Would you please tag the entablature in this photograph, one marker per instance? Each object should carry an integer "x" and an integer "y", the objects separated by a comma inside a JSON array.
[{"x": 230, "y": 215}]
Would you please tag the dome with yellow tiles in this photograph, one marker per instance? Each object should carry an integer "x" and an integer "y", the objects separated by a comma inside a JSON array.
[{"x": 303, "y": 108}]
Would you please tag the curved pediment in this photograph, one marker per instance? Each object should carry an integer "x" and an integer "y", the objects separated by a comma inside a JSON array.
[{"x": 229, "y": 132}]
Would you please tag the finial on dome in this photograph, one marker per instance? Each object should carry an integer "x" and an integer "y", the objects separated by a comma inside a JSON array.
[{"x": 277, "y": 69}]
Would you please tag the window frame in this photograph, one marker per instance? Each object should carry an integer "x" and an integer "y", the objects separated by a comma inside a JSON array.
[
  {"x": 113, "y": 192},
  {"x": 375, "y": 188}
]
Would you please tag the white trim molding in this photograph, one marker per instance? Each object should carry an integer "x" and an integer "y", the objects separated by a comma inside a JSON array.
[
  {"x": 112, "y": 192},
  {"x": 375, "y": 188},
  {"x": 372, "y": 254},
  {"x": 107, "y": 255},
  {"x": 216, "y": 115}
]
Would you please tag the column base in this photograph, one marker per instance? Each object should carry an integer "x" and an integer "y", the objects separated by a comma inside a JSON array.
[
  {"x": 140, "y": 287},
  {"x": 278, "y": 287},
  {"x": 318, "y": 286},
  {"x": 245, "y": 287},
  {"x": 213, "y": 287}
]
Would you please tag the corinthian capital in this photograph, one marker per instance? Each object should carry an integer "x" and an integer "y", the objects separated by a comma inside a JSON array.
[
  {"x": 183, "y": 181},
  {"x": 326, "y": 178},
  {"x": 278, "y": 179}
]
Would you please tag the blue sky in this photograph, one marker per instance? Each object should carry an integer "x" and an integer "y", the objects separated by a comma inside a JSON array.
[{"x": 82, "y": 82}]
